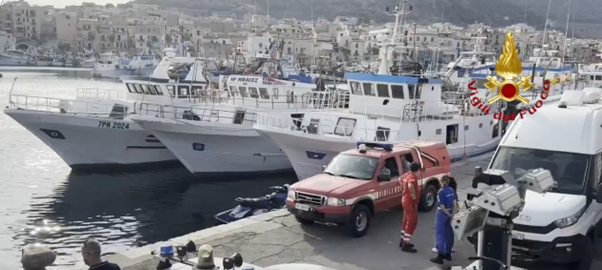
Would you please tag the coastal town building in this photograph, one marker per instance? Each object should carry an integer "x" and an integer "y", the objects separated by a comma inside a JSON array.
[{"x": 134, "y": 28}]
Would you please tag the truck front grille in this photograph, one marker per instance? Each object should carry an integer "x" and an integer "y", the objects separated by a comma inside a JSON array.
[{"x": 310, "y": 199}]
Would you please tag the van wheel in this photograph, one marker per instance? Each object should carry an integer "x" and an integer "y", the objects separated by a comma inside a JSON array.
[
  {"x": 428, "y": 198},
  {"x": 303, "y": 221},
  {"x": 585, "y": 250},
  {"x": 359, "y": 223}
]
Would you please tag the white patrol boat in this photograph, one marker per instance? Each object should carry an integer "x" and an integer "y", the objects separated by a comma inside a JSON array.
[
  {"x": 216, "y": 139},
  {"x": 95, "y": 129}
]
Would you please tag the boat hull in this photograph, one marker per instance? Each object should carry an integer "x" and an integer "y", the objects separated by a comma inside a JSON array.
[
  {"x": 309, "y": 153},
  {"x": 215, "y": 149},
  {"x": 9, "y": 61},
  {"x": 82, "y": 144}
]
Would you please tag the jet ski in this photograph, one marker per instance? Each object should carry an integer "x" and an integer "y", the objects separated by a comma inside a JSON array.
[{"x": 254, "y": 206}]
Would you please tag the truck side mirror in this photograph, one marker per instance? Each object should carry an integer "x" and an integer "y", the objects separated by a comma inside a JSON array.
[
  {"x": 384, "y": 175},
  {"x": 599, "y": 194}
]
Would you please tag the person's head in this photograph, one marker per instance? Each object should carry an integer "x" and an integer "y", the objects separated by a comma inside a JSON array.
[
  {"x": 444, "y": 180},
  {"x": 414, "y": 167},
  {"x": 91, "y": 252}
]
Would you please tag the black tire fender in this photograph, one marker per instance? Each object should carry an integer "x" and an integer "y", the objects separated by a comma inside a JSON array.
[{"x": 362, "y": 200}]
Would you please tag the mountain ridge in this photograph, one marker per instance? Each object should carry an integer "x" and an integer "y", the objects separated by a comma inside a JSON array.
[{"x": 461, "y": 12}]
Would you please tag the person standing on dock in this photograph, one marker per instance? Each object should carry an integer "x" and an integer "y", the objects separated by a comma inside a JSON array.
[
  {"x": 91, "y": 254},
  {"x": 409, "y": 200},
  {"x": 444, "y": 234}
]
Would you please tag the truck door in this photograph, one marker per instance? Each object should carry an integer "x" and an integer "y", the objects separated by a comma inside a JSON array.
[{"x": 391, "y": 190}]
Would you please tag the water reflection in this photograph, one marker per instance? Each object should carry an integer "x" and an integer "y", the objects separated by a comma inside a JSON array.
[{"x": 132, "y": 209}]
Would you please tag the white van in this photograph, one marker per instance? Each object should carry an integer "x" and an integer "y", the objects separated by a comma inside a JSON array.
[{"x": 565, "y": 138}]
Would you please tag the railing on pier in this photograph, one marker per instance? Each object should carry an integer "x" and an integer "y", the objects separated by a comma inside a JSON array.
[
  {"x": 101, "y": 93},
  {"x": 234, "y": 113},
  {"x": 58, "y": 105}
]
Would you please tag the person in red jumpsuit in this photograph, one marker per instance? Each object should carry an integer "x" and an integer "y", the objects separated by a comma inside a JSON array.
[{"x": 409, "y": 200}]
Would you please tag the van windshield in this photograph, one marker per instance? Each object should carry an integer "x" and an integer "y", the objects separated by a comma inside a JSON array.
[
  {"x": 568, "y": 169},
  {"x": 351, "y": 166}
]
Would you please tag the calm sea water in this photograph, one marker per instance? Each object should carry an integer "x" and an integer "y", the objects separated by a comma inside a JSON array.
[{"x": 42, "y": 201}]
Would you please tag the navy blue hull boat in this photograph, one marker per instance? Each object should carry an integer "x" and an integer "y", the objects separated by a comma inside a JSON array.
[{"x": 254, "y": 206}]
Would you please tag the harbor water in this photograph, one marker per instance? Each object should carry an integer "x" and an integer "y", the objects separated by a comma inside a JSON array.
[{"x": 42, "y": 201}]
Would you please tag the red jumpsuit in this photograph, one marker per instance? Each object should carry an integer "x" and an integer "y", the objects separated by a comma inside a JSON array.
[{"x": 410, "y": 207}]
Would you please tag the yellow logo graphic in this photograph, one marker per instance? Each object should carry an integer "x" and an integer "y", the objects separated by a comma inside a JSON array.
[{"x": 509, "y": 67}]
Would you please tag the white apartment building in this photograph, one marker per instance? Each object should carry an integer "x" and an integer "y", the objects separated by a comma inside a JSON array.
[{"x": 6, "y": 41}]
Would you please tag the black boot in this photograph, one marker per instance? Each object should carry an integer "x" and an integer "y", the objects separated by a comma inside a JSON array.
[
  {"x": 447, "y": 257},
  {"x": 409, "y": 248},
  {"x": 401, "y": 243},
  {"x": 438, "y": 259}
]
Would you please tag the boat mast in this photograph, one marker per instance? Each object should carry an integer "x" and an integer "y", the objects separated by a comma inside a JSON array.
[
  {"x": 566, "y": 31},
  {"x": 400, "y": 12},
  {"x": 545, "y": 27}
]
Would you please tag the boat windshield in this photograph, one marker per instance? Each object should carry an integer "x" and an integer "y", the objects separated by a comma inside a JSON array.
[
  {"x": 568, "y": 169},
  {"x": 351, "y": 166}
]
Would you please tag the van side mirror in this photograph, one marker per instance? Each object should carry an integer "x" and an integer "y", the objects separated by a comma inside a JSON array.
[
  {"x": 384, "y": 175},
  {"x": 599, "y": 194}
]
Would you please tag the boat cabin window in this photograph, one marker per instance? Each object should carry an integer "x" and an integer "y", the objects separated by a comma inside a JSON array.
[
  {"x": 355, "y": 88},
  {"x": 151, "y": 89},
  {"x": 145, "y": 89},
  {"x": 397, "y": 91},
  {"x": 368, "y": 91},
  {"x": 182, "y": 91},
  {"x": 253, "y": 92},
  {"x": 345, "y": 126},
  {"x": 243, "y": 91},
  {"x": 382, "y": 90},
  {"x": 139, "y": 89},
  {"x": 171, "y": 90},
  {"x": 411, "y": 91},
  {"x": 438, "y": 131},
  {"x": 418, "y": 91},
  {"x": 233, "y": 91},
  {"x": 159, "y": 91},
  {"x": 569, "y": 170},
  {"x": 131, "y": 88},
  {"x": 263, "y": 92},
  {"x": 275, "y": 92},
  {"x": 598, "y": 78},
  {"x": 196, "y": 90}
]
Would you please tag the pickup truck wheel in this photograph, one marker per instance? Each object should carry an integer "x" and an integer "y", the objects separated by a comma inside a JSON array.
[
  {"x": 303, "y": 221},
  {"x": 586, "y": 254},
  {"x": 428, "y": 198},
  {"x": 359, "y": 222}
]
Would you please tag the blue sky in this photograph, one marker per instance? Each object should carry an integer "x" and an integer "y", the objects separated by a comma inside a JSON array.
[{"x": 62, "y": 3}]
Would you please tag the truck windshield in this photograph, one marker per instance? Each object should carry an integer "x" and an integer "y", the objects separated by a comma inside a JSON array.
[
  {"x": 568, "y": 169},
  {"x": 351, "y": 166}
]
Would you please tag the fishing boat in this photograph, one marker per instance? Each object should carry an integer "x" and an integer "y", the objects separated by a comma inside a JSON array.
[
  {"x": 95, "y": 130},
  {"x": 110, "y": 65},
  {"x": 388, "y": 108},
  {"x": 14, "y": 57},
  {"x": 218, "y": 139}
]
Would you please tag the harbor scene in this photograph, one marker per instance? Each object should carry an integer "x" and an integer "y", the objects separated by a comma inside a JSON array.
[
  {"x": 43, "y": 201},
  {"x": 138, "y": 136}
]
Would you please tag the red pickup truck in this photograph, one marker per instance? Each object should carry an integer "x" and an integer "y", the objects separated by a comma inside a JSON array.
[{"x": 360, "y": 182}]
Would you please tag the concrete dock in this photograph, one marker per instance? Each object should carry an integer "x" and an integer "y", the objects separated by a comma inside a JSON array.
[{"x": 277, "y": 238}]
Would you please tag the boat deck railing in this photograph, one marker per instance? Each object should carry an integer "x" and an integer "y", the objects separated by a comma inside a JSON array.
[
  {"x": 59, "y": 105},
  {"x": 101, "y": 93},
  {"x": 239, "y": 109}
]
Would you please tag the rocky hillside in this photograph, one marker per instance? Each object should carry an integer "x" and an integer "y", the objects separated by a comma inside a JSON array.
[{"x": 493, "y": 12}]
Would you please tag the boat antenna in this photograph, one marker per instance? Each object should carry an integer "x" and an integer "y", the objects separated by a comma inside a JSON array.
[
  {"x": 566, "y": 31},
  {"x": 545, "y": 27},
  {"x": 10, "y": 93}
]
